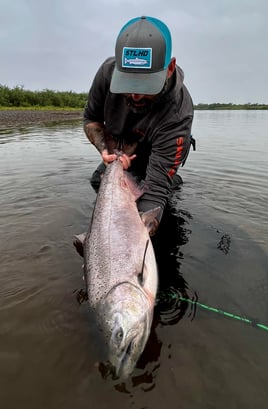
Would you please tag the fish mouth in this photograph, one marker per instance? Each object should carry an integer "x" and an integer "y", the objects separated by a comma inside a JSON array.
[
  {"x": 127, "y": 341},
  {"x": 124, "y": 360},
  {"x": 122, "y": 368}
]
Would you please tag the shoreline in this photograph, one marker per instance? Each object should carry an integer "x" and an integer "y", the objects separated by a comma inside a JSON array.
[
  {"x": 32, "y": 116},
  {"x": 28, "y": 116}
]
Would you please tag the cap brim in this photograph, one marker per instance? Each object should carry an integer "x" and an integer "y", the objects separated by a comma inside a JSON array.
[{"x": 137, "y": 83}]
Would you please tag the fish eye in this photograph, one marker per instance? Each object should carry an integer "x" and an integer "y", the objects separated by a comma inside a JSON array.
[{"x": 119, "y": 334}]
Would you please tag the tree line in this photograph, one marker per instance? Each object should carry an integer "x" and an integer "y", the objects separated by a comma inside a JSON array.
[
  {"x": 18, "y": 97},
  {"x": 230, "y": 105}
]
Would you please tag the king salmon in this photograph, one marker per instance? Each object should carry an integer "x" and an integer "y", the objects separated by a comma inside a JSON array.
[{"x": 120, "y": 268}]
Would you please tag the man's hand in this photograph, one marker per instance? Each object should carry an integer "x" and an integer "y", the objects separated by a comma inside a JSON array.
[
  {"x": 126, "y": 160},
  {"x": 110, "y": 157}
]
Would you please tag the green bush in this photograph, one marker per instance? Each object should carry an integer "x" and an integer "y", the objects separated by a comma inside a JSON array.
[{"x": 19, "y": 97}]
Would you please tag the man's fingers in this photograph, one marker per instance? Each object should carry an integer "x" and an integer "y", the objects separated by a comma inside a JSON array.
[
  {"x": 126, "y": 160},
  {"x": 107, "y": 157}
]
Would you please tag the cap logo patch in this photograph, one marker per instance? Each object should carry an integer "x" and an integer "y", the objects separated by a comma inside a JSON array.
[{"x": 137, "y": 57}]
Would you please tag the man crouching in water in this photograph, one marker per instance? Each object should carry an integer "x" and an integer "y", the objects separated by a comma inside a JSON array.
[{"x": 138, "y": 104}]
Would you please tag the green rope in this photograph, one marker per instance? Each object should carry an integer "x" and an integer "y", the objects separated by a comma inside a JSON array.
[{"x": 226, "y": 314}]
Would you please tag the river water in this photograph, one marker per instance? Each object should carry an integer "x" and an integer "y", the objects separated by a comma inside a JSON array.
[{"x": 212, "y": 248}]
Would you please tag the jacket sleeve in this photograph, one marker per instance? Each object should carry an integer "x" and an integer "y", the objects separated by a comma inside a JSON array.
[
  {"x": 94, "y": 109},
  {"x": 170, "y": 148}
]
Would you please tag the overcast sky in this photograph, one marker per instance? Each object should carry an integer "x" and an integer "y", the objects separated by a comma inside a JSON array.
[{"x": 222, "y": 45}]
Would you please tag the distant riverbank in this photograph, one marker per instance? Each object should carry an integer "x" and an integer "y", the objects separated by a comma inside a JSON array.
[
  {"x": 21, "y": 98},
  {"x": 20, "y": 116},
  {"x": 29, "y": 116},
  {"x": 230, "y": 106}
]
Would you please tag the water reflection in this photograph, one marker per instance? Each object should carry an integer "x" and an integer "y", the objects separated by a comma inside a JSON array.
[
  {"x": 173, "y": 234},
  {"x": 214, "y": 241},
  {"x": 11, "y": 134}
]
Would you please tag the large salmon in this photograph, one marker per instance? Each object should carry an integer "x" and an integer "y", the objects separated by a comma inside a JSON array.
[{"x": 120, "y": 268}]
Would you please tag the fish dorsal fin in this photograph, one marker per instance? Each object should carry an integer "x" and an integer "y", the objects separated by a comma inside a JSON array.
[{"x": 149, "y": 216}]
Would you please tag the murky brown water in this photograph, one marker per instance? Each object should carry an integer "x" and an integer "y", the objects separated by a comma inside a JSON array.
[{"x": 213, "y": 247}]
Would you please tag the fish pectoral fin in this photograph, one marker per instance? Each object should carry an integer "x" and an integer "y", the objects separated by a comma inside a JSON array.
[
  {"x": 78, "y": 243},
  {"x": 149, "y": 217},
  {"x": 141, "y": 274}
]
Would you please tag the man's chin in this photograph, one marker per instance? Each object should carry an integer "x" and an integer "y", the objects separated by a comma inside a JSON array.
[{"x": 139, "y": 108}]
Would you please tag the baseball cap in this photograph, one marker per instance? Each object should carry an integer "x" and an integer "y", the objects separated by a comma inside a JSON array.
[{"x": 142, "y": 55}]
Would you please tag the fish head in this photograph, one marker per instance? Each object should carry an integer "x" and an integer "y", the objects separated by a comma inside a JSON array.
[{"x": 126, "y": 317}]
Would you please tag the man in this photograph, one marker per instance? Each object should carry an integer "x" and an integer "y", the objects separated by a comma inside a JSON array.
[{"x": 139, "y": 105}]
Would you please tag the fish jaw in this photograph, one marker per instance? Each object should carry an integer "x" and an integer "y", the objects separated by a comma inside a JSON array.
[{"x": 126, "y": 316}]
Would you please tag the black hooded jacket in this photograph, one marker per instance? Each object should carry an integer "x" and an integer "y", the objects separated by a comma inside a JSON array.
[{"x": 160, "y": 137}]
